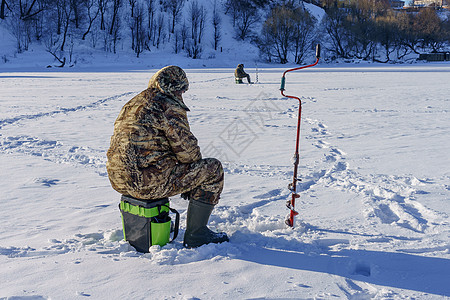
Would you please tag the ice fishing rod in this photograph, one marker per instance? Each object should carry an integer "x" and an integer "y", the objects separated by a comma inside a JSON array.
[
  {"x": 293, "y": 186},
  {"x": 256, "y": 67}
]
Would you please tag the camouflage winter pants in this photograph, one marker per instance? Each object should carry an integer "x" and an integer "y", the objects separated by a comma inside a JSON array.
[
  {"x": 199, "y": 181},
  {"x": 246, "y": 76}
]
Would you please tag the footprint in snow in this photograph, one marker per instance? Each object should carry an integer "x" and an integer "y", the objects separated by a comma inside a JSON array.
[
  {"x": 362, "y": 268},
  {"x": 46, "y": 181}
]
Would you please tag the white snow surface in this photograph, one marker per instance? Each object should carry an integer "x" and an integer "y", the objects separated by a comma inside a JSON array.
[{"x": 375, "y": 190}]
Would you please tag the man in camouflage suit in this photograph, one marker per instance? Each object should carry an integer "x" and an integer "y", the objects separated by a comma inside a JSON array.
[
  {"x": 153, "y": 154},
  {"x": 239, "y": 73}
]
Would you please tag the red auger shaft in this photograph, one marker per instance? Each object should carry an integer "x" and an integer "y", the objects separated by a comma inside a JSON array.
[{"x": 293, "y": 185}]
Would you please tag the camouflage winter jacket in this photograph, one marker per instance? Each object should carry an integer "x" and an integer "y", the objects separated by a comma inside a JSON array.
[
  {"x": 239, "y": 72},
  {"x": 151, "y": 135}
]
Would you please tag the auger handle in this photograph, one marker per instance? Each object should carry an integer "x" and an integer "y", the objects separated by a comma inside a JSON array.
[
  {"x": 283, "y": 78},
  {"x": 283, "y": 83}
]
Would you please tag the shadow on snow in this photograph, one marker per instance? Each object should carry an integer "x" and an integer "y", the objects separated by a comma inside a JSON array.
[{"x": 397, "y": 270}]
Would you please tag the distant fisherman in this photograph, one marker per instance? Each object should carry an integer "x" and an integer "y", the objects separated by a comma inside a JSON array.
[
  {"x": 239, "y": 73},
  {"x": 154, "y": 154}
]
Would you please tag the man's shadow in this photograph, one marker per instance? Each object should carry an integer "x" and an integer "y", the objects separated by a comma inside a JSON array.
[{"x": 391, "y": 269}]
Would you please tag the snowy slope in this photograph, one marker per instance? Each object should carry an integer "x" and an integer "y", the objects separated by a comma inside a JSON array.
[{"x": 374, "y": 162}]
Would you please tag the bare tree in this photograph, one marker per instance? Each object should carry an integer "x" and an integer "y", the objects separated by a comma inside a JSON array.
[
  {"x": 408, "y": 37},
  {"x": 67, "y": 12},
  {"x": 28, "y": 9},
  {"x": 139, "y": 30},
  {"x": 25, "y": 20},
  {"x": 328, "y": 4},
  {"x": 361, "y": 26},
  {"x": 159, "y": 30},
  {"x": 115, "y": 16},
  {"x": 197, "y": 18},
  {"x": 184, "y": 33},
  {"x": 303, "y": 33},
  {"x": 446, "y": 29},
  {"x": 102, "y": 5},
  {"x": 232, "y": 6},
  {"x": 278, "y": 29},
  {"x": 77, "y": 12},
  {"x": 115, "y": 34},
  {"x": 247, "y": 16},
  {"x": 40, "y": 21},
  {"x": 194, "y": 16},
  {"x": 201, "y": 23},
  {"x": 3, "y": 7},
  {"x": 288, "y": 29},
  {"x": 216, "y": 20},
  {"x": 132, "y": 6},
  {"x": 136, "y": 22},
  {"x": 150, "y": 19},
  {"x": 174, "y": 7},
  {"x": 427, "y": 24},
  {"x": 62, "y": 60},
  {"x": 177, "y": 37},
  {"x": 132, "y": 22},
  {"x": 334, "y": 27},
  {"x": 387, "y": 35},
  {"x": 20, "y": 31},
  {"x": 264, "y": 43},
  {"x": 52, "y": 42},
  {"x": 92, "y": 14}
]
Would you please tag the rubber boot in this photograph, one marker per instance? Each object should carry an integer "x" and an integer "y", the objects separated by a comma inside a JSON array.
[{"x": 197, "y": 233}]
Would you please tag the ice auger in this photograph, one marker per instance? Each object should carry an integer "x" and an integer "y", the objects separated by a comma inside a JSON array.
[{"x": 293, "y": 185}]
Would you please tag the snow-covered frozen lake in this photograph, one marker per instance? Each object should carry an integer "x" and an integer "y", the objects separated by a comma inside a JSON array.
[{"x": 375, "y": 190}]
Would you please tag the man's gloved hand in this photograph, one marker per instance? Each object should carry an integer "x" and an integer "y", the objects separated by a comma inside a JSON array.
[{"x": 186, "y": 195}]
